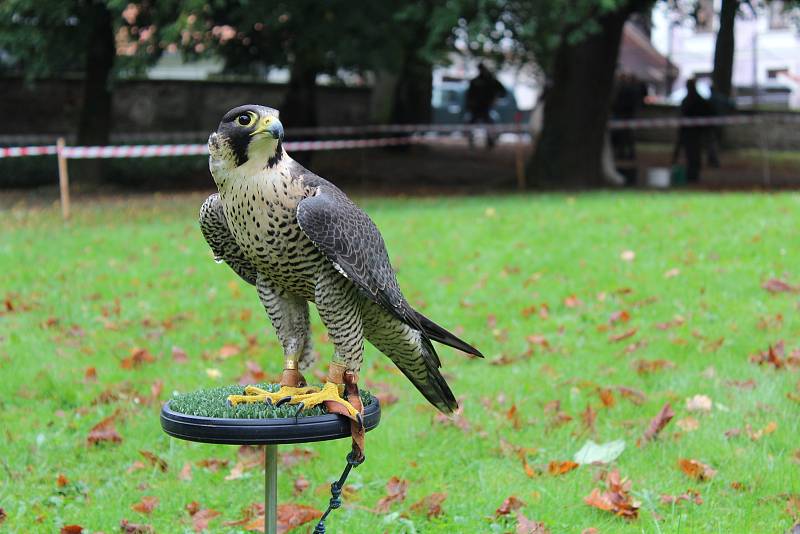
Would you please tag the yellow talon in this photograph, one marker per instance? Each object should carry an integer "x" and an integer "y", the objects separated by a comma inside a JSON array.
[
  {"x": 329, "y": 392},
  {"x": 254, "y": 394}
]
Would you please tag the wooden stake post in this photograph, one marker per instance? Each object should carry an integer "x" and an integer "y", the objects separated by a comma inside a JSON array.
[{"x": 63, "y": 178}]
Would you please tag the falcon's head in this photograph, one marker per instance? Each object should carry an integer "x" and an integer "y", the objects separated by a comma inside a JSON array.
[{"x": 249, "y": 135}]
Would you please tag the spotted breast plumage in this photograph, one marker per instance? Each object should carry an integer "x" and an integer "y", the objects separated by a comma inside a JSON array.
[{"x": 298, "y": 238}]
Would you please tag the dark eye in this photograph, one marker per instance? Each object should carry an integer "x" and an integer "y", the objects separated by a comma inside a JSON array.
[{"x": 243, "y": 119}]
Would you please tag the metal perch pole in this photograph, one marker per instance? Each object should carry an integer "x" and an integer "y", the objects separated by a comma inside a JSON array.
[{"x": 271, "y": 490}]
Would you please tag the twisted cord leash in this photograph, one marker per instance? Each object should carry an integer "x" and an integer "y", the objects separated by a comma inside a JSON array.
[{"x": 354, "y": 459}]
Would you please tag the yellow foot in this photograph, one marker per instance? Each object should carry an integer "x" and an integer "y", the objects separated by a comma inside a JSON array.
[
  {"x": 331, "y": 393},
  {"x": 283, "y": 395}
]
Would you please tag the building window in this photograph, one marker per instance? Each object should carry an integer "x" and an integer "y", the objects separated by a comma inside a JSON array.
[
  {"x": 778, "y": 15},
  {"x": 773, "y": 74},
  {"x": 704, "y": 16}
]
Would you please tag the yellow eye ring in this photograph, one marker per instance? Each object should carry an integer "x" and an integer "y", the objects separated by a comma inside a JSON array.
[{"x": 245, "y": 119}]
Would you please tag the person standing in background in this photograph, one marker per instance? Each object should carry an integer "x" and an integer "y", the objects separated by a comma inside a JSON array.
[
  {"x": 692, "y": 139},
  {"x": 483, "y": 91}
]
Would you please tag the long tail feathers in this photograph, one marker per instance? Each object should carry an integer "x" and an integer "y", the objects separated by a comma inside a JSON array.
[
  {"x": 433, "y": 386},
  {"x": 437, "y": 333}
]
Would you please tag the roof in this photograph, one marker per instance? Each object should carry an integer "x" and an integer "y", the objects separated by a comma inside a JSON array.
[{"x": 638, "y": 56}]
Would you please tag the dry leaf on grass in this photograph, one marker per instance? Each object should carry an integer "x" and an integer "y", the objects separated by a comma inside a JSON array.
[
  {"x": 657, "y": 424},
  {"x": 293, "y": 515},
  {"x": 155, "y": 460},
  {"x": 615, "y": 498},
  {"x": 105, "y": 431},
  {"x": 614, "y": 338},
  {"x": 644, "y": 367},
  {"x": 127, "y": 527},
  {"x": 200, "y": 517},
  {"x": 430, "y": 505},
  {"x": 228, "y": 351},
  {"x": 292, "y": 457},
  {"x": 775, "y": 285},
  {"x": 71, "y": 529},
  {"x": 561, "y": 468},
  {"x": 529, "y": 526},
  {"x": 186, "y": 472},
  {"x": 248, "y": 457},
  {"x": 212, "y": 464},
  {"x": 511, "y": 504},
  {"x": 699, "y": 403},
  {"x": 248, "y": 514},
  {"x": 696, "y": 470},
  {"x": 179, "y": 355},
  {"x": 772, "y": 356},
  {"x": 689, "y": 496},
  {"x": 137, "y": 357},
  {"x": 395, "y": 493},
  {"x": 688, "y": 424},
  {"x": 146, "y": 505}
]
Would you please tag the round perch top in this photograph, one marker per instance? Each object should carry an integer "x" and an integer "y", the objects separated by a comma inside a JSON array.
[{"x": 205, "y": 416}]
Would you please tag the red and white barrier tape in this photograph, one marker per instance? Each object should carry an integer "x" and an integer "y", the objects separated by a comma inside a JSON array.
[
  {"x": 20, "y": 151},
  {"x": 150, "y": 151},
  {"x": 146, "y": 151}
]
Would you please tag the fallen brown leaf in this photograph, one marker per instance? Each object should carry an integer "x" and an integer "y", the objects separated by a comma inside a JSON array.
[
  {"x": 293, "y": 515},
  {"x": 137, "y": 357},
  {"x": 430, "y": 505},
  {"x": 772, "y": 356},
  {"x": 105, "y": 431},
  {"x": 658, "y": 423},
  {"x": 248, "y": 457},
  {"x": 200, "y": 517},
  {"x": 511, "y": 504},
  {"x": 300, "y": 485},
  {"x": 3, "y": 516},
  {"x": 179, "y": 355},
  {"x": 253, "y": 374},
  {"x": 634, "y": 395},
  {"x": 71, "y": 529},
  {"x": 155, "y": 460},
  {"x": 186, "y": 472},
  {"x": 775, "y": 285},
  {"x": 559, "y": 468},
  {"x": 699, "y": 403},
  {"x": 249, "y": 513},
  {"x": 606, "y": 397},
  {"x": 529, "y": 526},
  {"x": 292, "y": 457},
  {"x": 395, "y": 493},
  {"x": 146, "y": 505},
  {"x": 688, "y": 424},
  {"x": 127, "y": 527},
  {"x": 212, "y": 464},
  {"x": 614, "y": 338},
  {"x": 90, "y": 375},
  {"x": 696, "y": 470},
  {"x": 650, "y": 366},
  {"x": 61, "y": 481},
  {"x": 228, "y": 351},
  {"x": 615, "y": 498},
  {"x": 689, "y": 496}
]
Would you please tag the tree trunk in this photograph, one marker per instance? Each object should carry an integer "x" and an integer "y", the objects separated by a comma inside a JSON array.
[
  {"x": 412, "y": 95},
  {"x": 723, "y": 51},
  {"x": 95, "y": 119},
  {"x": 299, "y": 108},
  {"x": 577, "y": 107}
]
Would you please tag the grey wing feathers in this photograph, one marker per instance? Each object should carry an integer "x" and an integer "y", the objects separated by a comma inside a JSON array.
[
  {"x": 215, "y": 229},
  {"x": 352, "y": 242}
]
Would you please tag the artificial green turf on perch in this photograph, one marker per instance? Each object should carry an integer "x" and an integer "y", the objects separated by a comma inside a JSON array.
[{"x": 214, "y": 403}]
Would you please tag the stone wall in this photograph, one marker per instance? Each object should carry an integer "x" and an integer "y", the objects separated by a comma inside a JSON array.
[{"x": 52, "y": 106}]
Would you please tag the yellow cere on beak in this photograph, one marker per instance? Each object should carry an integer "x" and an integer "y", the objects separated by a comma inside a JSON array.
[{"x": 262, "y": 126}]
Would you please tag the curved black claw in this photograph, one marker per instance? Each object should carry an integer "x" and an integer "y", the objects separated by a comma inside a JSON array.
[
  {"x": 283, "y": 401},
  {"x": 300, "y": 407}
]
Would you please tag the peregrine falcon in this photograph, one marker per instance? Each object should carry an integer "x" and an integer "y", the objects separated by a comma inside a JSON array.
[{"x": 298, "y": 238}]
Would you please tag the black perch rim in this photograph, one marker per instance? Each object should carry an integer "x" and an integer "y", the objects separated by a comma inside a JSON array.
[{"x": 276, "y": 431}]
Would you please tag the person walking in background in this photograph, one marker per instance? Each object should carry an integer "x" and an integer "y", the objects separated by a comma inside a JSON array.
[
  {"x": 628, "y": 99},
  {"x": 692, "y": 139},
  {"x": 483, "y": 91}
]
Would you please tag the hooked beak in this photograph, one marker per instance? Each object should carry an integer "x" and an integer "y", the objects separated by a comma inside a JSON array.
[{"x": 269, "y": 126}]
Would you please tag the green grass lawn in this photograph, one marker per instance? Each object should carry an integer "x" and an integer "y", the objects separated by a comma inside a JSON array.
[{"x": 542, "y": 284}]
